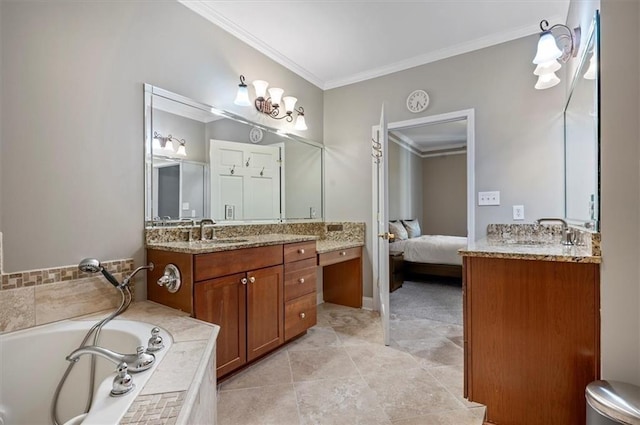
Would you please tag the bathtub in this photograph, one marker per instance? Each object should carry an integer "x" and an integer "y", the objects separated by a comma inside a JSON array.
[{"x": 32, "y": 362}]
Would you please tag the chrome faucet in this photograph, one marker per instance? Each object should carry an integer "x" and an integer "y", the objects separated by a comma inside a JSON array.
[
  {"x": 192, "y": 223},
  {"x": 566, "y": 233},
  {"x": 137, "y": 362},
  {"x": 203, "y": 222}
]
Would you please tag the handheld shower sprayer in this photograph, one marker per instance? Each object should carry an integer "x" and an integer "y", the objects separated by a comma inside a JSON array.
[{"x": 91, "y": 265}]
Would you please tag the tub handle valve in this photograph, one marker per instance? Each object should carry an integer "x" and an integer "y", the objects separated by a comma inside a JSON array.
[
  {"x": 155, "y": 342},
  {"x": 171, "y": 278},
  {"x": 123, "y": 382}
]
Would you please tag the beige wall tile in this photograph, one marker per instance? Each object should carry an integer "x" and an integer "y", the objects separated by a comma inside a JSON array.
[{"x": 17, "y": 309}]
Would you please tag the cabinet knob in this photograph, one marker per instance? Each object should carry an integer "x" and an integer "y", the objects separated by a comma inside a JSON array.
[
  {"x": 301, "y": 280},
  {"x": 243, "y": 280},
  {"x": 252, "y": 279},
  {"x": 301, "y": 251},
  {"x": 343, "y": 253},
  {"x": 302, "y": 315}
]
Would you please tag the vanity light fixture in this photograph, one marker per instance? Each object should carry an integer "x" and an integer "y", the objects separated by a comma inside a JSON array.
[
  {"x": 557, "y": 44},
  {"x": 270, "y": 105},
  {"x": 593, "y": 67},
  {"x": 166, "y": 143}
]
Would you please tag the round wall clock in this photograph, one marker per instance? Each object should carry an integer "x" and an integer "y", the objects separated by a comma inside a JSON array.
[
  {"x": 255, "y": 135},
  {"x": 417, "y": 101}
]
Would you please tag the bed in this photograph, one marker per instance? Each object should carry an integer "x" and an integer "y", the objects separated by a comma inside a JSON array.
[{"x": 428, "y": 254}]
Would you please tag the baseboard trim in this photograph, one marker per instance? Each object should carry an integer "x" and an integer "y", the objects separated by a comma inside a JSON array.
[{"x": 367, "y": 303}]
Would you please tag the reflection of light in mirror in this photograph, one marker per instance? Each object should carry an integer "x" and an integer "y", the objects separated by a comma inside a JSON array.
[{"x": 593, "y": 67}]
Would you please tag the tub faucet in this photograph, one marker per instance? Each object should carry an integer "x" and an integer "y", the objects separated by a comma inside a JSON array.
[
  {"x": 137, "y": 362},
  {"x": 203, "y": 222},
  {"x": 566, "y": 233}
]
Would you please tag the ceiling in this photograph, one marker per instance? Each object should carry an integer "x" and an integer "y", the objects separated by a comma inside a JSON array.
[
  {"x": 433, "y": 139},
  {"x": 332, "y": 43}
]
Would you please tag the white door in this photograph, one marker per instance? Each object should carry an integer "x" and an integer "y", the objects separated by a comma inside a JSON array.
[{"x": 380, "y": 220}]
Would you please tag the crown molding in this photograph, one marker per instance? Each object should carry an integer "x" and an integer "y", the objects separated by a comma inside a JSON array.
[{"x": 203, "y": 9}]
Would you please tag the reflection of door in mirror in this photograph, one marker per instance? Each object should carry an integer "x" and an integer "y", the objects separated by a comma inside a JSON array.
[
  {"x": 582, "y": 139},
  {"x": 245, "y": 181},
  {"x": 179, "y": 191}
]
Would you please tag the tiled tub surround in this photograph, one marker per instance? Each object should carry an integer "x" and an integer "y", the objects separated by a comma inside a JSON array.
[
  {"x": 36, "y": 297},
  {"x": 535, "y": 242}
]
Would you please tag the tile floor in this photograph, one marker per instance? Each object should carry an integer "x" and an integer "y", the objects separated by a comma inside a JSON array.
[{"x": 340, "y": 373}]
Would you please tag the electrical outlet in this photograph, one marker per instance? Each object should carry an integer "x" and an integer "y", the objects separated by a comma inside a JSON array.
[
  {"x": 489, "y": 198},
  {"x": 518, "y": 212}
]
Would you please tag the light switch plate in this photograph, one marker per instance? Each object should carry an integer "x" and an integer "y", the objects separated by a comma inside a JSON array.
[{"x": 489, "y": 198}]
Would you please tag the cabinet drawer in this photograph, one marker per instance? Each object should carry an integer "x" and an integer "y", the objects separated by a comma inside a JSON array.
[
  {"x": 299, "y": 315},
  {"x": 299, "y": 251},
  {"x": 299, "y": 282},
  {"x": 339, "y": 256},
  {"x": 216, "y": 264}
]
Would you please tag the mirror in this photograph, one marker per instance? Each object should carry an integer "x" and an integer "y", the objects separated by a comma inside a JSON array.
[
  {"x": 582, "y": 138},
  {"x": 201, "y": 162}
]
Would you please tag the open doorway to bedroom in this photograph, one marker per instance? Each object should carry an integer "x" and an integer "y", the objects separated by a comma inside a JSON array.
[{"x": 430, "y": 192}]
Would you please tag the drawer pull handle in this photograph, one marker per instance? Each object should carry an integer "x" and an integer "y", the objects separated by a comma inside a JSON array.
[
  {"x": 301, "y": 280},
  {"x": 243, "y": 280},
  {"x": 252, "y": 279},
  {"x": 302, "y": 315},
  {"x": 343, "y": 253},
  {"x": 301, "y": 251}
]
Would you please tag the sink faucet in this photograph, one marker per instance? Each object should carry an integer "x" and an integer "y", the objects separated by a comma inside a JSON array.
[
  {"x": 137, "y": 362},
  {"x": 566, "y": 233},
  {"x": 191, "y": 223},
  {"x": 203, "y": 222}
]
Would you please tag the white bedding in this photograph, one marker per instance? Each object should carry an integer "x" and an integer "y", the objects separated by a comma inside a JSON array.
[{"x": 433, "y": 249}]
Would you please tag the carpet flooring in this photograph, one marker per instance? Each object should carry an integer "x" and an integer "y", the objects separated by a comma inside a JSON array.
[{"x": 437, "y": 299}]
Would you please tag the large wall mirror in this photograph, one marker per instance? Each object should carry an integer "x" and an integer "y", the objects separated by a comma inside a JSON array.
[
  {"x": 582, "y": 138},
  {"x": 201, "y": 162}
]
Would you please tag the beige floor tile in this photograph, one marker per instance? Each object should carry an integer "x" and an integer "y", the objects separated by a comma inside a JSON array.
[
  {"x": 451, "y": 377},
  {"x": 373, "y": 358},
  {"x": 316, "y": 337},
  {"x": 447, "y": 329},
  {"x": 410, "y": 393},
  {"x": 360, "y": 334},
  {"x": 453, "y": 417},
  {"x": 272, "y": 370},
  {"x": 401, "y": 330},
  {"x": 345, "y": 401},
  {"x": 273, "y": 405},
  {"x": 434, "y": 352},
  {"x": 308, "y": 365},
  {"x": 337, "y": 315}
]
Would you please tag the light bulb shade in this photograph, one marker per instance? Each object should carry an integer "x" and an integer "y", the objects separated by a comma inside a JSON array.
[
  {"x": 156, "y": 144},
  {"x": 276, "y": 95},
  {"x": 546, "y": 81},
  {"x": 182, "y": 151},
  {"x": 547, "y": 67},
  {"x": 289, "y": 103},
  {"x": 547, "y": 48},
  {"x": 300, "y": 123},
  {"x": 169, "y": 145},
  {"x": 242, "y": 97},
  {"x": 593, "y": 68},
  {"x": 261, "y": 88}
]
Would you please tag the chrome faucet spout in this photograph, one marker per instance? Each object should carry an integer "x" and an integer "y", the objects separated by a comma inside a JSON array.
[
  {"x": 566, "y": 232},
  {"x": 204, "y": 222},
  {"x": 137, "y": 362}
]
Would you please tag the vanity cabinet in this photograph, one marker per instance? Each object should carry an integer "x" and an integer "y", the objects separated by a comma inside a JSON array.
[
  {"x": 299, "y": 288},
  {"x": 342, "y": 276},
  {"x": 531, "y": 338}
]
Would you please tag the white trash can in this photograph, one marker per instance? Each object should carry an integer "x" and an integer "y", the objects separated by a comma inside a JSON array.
[{"x": 612, "y": 402}]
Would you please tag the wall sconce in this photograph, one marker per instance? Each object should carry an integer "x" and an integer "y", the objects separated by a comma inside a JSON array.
[
  {"x": 591, "y": 72},
  {"x": 271, "y": 105},
  {"x": 553, "y": 49},
  {"x": 166, "y": 143}
]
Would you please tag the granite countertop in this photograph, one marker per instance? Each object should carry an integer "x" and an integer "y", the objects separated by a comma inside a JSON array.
[
  {"x": 326, "y": 245},
  {"x": 203, "y": 247},
  {"x": 183, "y": 368},
  {"x": 543, "y": 252}
]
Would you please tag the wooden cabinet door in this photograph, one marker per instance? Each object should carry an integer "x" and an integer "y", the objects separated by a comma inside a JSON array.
[
  {"x": 222, "y": 301},
  {"x": 265, "y": 311}
]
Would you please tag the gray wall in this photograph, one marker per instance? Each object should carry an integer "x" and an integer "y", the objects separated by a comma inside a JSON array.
[
  {"x": 444, "y": 195},
  {"x": 518, "y": 132},
  {"x": 72, "y": 123},
  {"x": 620, "y": 180},
  {"x": 405, "y": 184}
]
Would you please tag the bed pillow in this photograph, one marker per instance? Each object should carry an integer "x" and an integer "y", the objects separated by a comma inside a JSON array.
[
  {"x": 413, "y": 228},
  {"x": 398, "y": 230}
]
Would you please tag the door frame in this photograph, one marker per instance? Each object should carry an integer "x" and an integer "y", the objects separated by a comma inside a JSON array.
[{"x": 469, "y": 115}]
